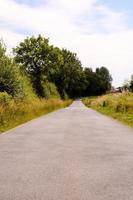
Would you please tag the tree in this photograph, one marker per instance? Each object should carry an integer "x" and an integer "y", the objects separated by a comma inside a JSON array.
[
  {"x": 70, "y": 75},
  {"x": 39, "y": 60},
  {"x": 10, "y": 77},
  {"x": 45, "y": 63},
  {"x": 91, "y": 83},
  {"x": 104, "y": 80},
  {"x": 131, "y": 83},
  {"x": 126, "y": 85}
]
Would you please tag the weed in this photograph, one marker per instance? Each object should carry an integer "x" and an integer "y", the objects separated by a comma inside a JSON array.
[
  {"x": 119, "y": 106},
  {"x": 17, "y": 112}
]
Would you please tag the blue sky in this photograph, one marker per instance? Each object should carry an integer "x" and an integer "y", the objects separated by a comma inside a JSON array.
[
  {"x": 100, "y": 31},
  {"x": 115, "y": 4},
  {"x": 125, "y": 6},
  {"x": 119, "y": 5},
  {"x": 30, "y": 2}
]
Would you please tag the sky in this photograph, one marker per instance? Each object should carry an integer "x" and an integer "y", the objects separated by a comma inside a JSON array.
[{"x": 99, "y": 31}]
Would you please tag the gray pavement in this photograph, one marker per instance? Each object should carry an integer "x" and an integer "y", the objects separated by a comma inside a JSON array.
[{"x": 71, "y": 154}]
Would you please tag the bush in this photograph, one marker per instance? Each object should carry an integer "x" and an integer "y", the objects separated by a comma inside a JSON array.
[
  {"x": 119, "y": 106},
  {"x": 27, "y": 92},
  {"x": 19, "y": 112},
  {"x": 5, "y": 99},
  {"x": 119, "y": 103},
  {"x": 50, "y": 90},
  {"x": 12, "y": 80}
]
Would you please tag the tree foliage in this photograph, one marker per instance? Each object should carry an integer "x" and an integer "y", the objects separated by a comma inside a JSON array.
[
  {"x": 45, "y": 63},
  {"x": 131, "y": 83},
  {"x": 12, "y": 80},
  {"x": 69, "y": 74},
  {"x": 104, "y": 79},
  {"x": 39, "y": 60}
]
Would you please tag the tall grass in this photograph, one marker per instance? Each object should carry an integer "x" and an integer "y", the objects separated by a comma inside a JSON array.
[
  {"x": 119, "y": 106},
  {"x": 15, "y": 112}
]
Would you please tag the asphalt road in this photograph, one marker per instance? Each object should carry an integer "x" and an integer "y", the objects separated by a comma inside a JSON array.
[{"x": 71, "y": 154}]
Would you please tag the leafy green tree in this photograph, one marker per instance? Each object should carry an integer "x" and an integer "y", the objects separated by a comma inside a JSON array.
[
  {"x": 9, "y": 74},
  {"x": 70, "y": 75},
  {"x": 39, "y": 60},
  {"x": 96, "y": 83},
  {"x": 9, "y": 78},
  {"x": 12, "y": 80},
  {"x": 45, "y": 63},
  {"x": 91, "y": 82},
  {"x": 126, "y": 85},
  {"x": 131, "y": 83},
  {"x": 104, "y": 80}
]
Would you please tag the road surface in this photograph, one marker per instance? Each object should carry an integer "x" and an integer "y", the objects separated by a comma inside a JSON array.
[{"x": 71, "y": 154}]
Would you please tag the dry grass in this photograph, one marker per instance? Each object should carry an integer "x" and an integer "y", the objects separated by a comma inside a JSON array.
[
  {"x": 17, "y": 112},
  {"x": 119, "y": 106}
]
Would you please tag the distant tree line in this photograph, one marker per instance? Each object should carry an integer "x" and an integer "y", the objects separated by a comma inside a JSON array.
[
  {"x": 128, "y": 85},
  {"x": 43, "y": 66}
]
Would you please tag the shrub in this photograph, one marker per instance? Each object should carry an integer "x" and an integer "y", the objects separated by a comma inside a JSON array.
[
  {"x": 50, "y": 90},
  {"x": 5, "y": 99},
  {"x": 12, "y": 80},
  {"x": 19, "y": 112},
  {"x": 122, "y": 102}
]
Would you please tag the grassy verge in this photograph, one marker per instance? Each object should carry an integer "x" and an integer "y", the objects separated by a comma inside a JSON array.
[
  {"x": 118, "y": 106},
  {"x": 15, "y": 113}
]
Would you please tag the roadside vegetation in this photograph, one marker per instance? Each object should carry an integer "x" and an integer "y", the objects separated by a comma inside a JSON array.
[
  {"x": 14, "y": 112},
  {"x": 43, "y": 63},
  {"x": 118, "y": 106},
  {"x": 39, "y": 78}
]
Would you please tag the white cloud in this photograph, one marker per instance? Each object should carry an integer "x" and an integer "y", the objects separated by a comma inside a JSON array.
[
  {"x": 11, "y": 39},
  {"x": 112, "y": 21},
  {"x": 99, "y": 35}
]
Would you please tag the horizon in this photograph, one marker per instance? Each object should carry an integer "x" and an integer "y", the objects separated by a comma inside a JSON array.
[{"x": 99, "y": 31}]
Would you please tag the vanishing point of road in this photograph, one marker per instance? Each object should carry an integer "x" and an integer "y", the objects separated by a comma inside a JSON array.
[{"x": 71, "y": 154}]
